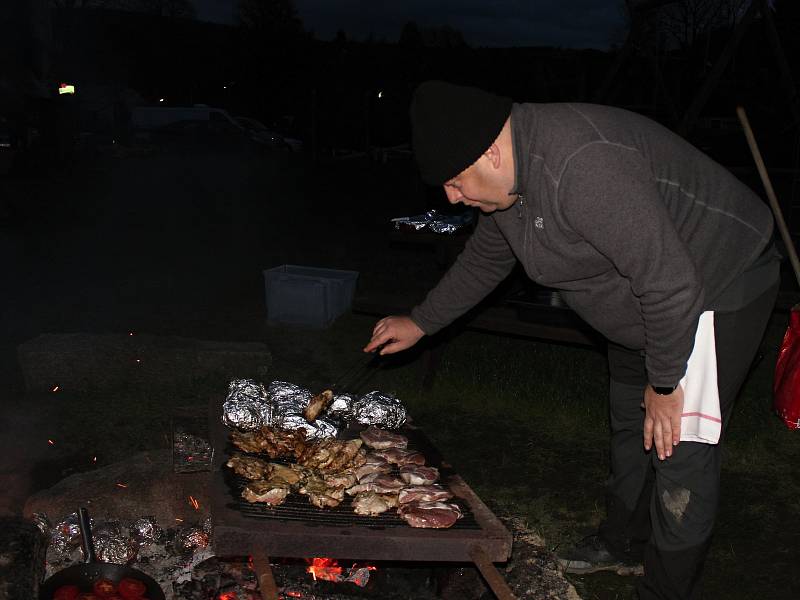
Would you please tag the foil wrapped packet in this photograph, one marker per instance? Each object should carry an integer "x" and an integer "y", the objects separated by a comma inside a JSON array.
[
  {"x": 373, "y": 408},
  {"x": 246, "y": 407},
  {"x": 435, "y": 221},
  {"x": 282, "y": 405},
  {"x": 249, "y": 407}
]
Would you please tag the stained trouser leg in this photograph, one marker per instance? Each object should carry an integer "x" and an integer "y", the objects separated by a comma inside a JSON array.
[
  {"x": 628, "y": 488},
  {"x": 686, "y": 493}
]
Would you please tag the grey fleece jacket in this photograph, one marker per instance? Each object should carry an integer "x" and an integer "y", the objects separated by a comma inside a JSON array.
[{"x": 639, "y": 231}]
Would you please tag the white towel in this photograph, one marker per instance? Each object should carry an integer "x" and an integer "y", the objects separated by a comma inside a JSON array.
[{"x": 701, "y": 420}]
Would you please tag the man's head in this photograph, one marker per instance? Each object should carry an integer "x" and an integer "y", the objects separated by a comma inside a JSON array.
[{"x": 462, "y": 140}]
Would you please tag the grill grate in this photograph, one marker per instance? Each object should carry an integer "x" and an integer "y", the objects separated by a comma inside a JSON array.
[{"x": 297, "y": 508}]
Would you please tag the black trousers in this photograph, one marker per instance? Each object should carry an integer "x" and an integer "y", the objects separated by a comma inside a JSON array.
[{"x": 664, "y": 511}]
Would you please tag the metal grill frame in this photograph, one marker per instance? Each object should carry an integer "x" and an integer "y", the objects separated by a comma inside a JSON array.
[{"x": 235, "y": 533}]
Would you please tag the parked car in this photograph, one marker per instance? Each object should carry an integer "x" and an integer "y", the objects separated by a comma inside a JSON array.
[{"x": 264, "y": 135}]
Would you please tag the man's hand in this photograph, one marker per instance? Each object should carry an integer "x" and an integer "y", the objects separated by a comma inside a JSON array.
[
  {"x": 398, "y": 333},
  {"x": 662, "y": 420}
]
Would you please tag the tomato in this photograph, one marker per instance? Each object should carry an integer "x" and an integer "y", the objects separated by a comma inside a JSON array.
[
  {"x": 104, "y": 588},
  {"x": 131, "y": 588},
  {"x": 66, "y": 592}
]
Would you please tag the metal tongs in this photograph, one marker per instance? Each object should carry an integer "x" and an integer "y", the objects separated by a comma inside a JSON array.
[
  {"x": 352, "y": 379},
  {"x": 358, "y": 374}
]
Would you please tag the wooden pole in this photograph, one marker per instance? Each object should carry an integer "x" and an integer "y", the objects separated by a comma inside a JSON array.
[
  {"x": 773, "y": 200},
  {"x": 490, "y": 574},
  {"x": 266, "y": 582}
]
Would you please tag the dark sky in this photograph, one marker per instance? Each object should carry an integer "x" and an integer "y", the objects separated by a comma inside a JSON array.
[{"x": 565, "y": 23}]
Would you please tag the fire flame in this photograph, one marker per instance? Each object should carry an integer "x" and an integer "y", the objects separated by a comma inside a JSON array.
[
  {"x": 325, "y": 568},
  {"x": 195, "y": 504},
  {"x": 329, "y": 570},
  {"x": 228, "y": 596}
]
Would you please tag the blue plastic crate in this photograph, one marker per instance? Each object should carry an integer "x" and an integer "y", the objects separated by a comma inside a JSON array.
[{"x": 308, "y": 296}]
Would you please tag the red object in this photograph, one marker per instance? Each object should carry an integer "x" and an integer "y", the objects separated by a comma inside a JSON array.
[
  {"x": 787, "y": 374},
  {"x": 66, "y": 592},
  {"x": 88, "y": 596},
  {"x": 132, "y": 589},
  {"x": 104, "y": 588}
]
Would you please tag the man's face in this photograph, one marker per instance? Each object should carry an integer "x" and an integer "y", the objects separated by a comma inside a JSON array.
[{"x": 480, "y": 185}]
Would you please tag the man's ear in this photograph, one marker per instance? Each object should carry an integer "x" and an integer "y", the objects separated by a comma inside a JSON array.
[{"x": 493, "y": 154}]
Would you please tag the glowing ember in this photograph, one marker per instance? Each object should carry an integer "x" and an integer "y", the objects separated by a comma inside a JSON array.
[
  {"x": 121, "y": 485},
  {"x": 325, "y": 568},
  {"x": 94, "y": 459},
  {"x": 178, "y": 520},
  {"x": 195, "y": 504},
  {"x": 130, "y": 333},
  {"x": 55, "y": 389},
  {"x": 227, "y": 596},
  {"x": 329, "y": 570},
  {"x": 51, "y": 442},
  {"x": 294, "y": 594}
]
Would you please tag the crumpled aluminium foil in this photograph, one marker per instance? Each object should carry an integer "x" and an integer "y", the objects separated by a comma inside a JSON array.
[
  {"x": 435, "y": 221},
  {"x": 280, "y": 406},
  {"x": 246, "y": 406},
  {"x": 373, "y": 408},
  {"x": 284, "y": 403},
  {"x": 66, "y": 535},
  {"x": 145, "y": 531},
  {"x": 112, "y": 545},
  {"x": 189, "y": 539},
  {"x": 377, "y": 408}
]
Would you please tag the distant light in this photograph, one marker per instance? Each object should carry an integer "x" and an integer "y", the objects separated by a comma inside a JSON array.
[
  {"x": 160, "y": 99},
  {"x": 224, "y": 87},
  {"x": 66, "y": 88},
  {"x": 380, "y": 94}
]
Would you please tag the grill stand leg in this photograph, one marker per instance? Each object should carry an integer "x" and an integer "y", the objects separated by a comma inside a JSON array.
[
  {"x": 490, "y": 573},
  {"x": 266, "y": 582}
]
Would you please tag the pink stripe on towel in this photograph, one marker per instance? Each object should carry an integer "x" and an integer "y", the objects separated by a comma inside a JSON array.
[{"x": 702, "y": 416}]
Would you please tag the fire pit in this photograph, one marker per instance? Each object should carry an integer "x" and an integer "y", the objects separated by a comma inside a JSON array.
[{"x": 298, "y": 530}]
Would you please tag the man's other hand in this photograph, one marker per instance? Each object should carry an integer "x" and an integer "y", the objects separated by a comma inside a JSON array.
[
  {"x": 396, "y": 332},
  {"x": 662, "y": 420}
]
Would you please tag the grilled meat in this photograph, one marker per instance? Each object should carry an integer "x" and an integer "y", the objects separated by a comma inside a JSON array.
[
  {"x": 268, "y": 492},
  {"x": 401, "y": 457},
  {"x": 380, "y": 439},
  {"x": 317, "y": 404},
  {"x": 271, "y": 441},
  {"x": 423, "y": 493},
  {"x": 378, "y": 483},
  {"x": 249, "y": 467},
  {"x": 438, "y": 515},
  {"x": 333, "y": 455},
  {"x": 419, "y": 475},
  {"x": 320, "y": 494},
  {"x": 371, "y": 503}
]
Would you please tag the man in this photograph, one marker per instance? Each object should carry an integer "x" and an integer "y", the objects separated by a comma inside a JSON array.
[{"x": 641, "y": 233}]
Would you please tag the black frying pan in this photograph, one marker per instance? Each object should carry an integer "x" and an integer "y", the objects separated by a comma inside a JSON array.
[{"x": 91, "y": 570}]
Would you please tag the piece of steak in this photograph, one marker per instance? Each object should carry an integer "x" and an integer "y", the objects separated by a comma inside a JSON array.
[
  {"x": 419, "y": 474},
  {"x": 401, "y": 457},
  {"x": 423, "y": 493},
  {"x": 434, "y": 515},
  {"x": 380, "y": 439}
]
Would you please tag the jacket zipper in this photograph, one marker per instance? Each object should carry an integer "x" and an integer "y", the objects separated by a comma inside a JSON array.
[{"x": 520, "y": 203}]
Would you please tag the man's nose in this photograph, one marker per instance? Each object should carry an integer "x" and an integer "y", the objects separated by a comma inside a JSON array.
[{"x": 453, "y": 194}]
